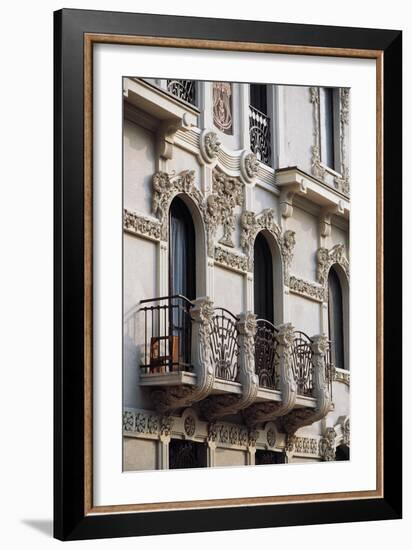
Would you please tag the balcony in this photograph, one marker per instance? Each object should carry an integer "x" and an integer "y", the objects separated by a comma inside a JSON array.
[
  {"x": 183, "y": 89},
  {"x": 192, "y": 351},
  {"x": 260, "y": 135}
]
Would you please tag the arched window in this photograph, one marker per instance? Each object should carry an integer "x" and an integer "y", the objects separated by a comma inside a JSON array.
[
  {"x": 263, "y": 279},
  {"x": 182, "y": 253},
  {"x": 336, "y": 332}
]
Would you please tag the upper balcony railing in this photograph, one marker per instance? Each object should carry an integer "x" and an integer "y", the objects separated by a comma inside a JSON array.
[
  {"x": 167, "y": 341},
  {"x": 260, "y": 135},
  {"x": 183, "y": 89}
]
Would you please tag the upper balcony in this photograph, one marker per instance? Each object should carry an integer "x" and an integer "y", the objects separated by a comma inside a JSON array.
[{"x": 196, "y": 352}]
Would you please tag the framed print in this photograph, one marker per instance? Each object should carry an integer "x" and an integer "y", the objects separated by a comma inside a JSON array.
[{"x": 227, "y": 274}]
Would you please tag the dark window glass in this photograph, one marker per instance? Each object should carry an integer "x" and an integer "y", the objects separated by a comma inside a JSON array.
[
  {"x": 263, "y": 279},
  {"x": 182, "y": 263},
  {"x": 327, "y": 127},
  {"x": 342, "y": 452},
  {"x": 258, "y": 97},
  {"x": 187, "y": 454},
  {"x": 336, "y": 319},
  {"x": 269, "y": 457}
]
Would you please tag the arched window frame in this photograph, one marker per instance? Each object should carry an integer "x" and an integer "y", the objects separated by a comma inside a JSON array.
[{"x": 344, "y": 286}]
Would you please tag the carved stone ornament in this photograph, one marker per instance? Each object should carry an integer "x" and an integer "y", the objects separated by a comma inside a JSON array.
[
  {"x": 327, "y": 446},
  {"x": 146, "y": 423},
  {"x": 190, "y": 426},
  {"x": 134, "y": 223},
  {"x": 230, "y": 259},
  {"x": 317, "y": 169},
  {"x": 271, "y": 437},
  {"x": 342, "y": 183},
  {"x": 165, "y": 187},
  {"x": 326, "y": 258},
  {"x": 305, "y": 288},
  {"x": 249, "y": 166},
  {"x": 227, "y": 193},
  {"x": 170, "y": 398},
  {"x": 209, "y": 145},
  {"x": 251, "y": 224},
  {"x": 222, "y": 106},
  {"x": 287, "y": 247},
  {"x": 346, "y": 432}
]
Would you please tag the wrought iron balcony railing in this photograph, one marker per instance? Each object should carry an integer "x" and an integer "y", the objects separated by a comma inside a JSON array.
[
  {"x": 225, "y": 344},
  {"x": 266, "y": 354},
  {"x": 302, "y": 368},
  {"x": 260, "y": 135},
  {"x": 167, "y": 334},
  {"x": 183, "y": 89},
  {"x": 166, "y": 343}
]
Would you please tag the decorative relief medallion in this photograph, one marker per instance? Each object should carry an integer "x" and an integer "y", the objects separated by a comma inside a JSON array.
[
  {"x": 227, "y": 194},
  {"x": 249, "y": 166},
  {"x": 190, "y": 426},
  {"x": 271, "y": 437},
  {"x": 326, "y": 258},
  {"x": 310, "y": 290},
  {"x": 209, "y": 145},
  {"x": 230, "y": 259},
  {"x": 140, "y": 225},
  {"x": 222, "y": 106}
]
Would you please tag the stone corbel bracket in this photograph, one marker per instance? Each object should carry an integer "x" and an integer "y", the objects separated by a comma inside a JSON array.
[
  {"x": 325, "y": 218},
  {"x": 267, "y": 411},
  {"x": 169, "y": 399},
  {"x": 305, "y": 416},
  {"x": 223, "y": 405}
]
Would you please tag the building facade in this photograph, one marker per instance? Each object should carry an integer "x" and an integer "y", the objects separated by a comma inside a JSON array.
[{"x": 236, "y": 274}]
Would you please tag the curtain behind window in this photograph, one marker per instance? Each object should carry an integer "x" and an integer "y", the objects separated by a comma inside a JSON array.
[{"x": 336, "y": 318}]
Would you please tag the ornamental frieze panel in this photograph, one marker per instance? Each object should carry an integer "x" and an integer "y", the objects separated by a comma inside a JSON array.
[
  {"x": 229, "y": 259},
  {"x": 313, "y": 291},
  {"x": 326, "y": 258},
  {"x": 139, "y": 225},
  {"x": 288, "y": 243},
  {"x": 209, "y": 145},
  {"x": 139, "y": 422},
  {"x": 327, "y": 445}
]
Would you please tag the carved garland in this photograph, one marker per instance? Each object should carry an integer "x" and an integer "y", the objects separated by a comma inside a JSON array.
[
  {"x": 310, "y": 290},
  {"x": 134, "y": 223},
  {"x": 230, "y": 259}
]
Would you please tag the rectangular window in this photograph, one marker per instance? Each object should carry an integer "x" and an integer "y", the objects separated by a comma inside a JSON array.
[{"x": 327, "y": 127}]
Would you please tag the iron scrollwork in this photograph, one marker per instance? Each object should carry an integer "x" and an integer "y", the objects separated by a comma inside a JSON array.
[
  {"x": 266, "y": 355},
  {"x": 224, "y": 344}
]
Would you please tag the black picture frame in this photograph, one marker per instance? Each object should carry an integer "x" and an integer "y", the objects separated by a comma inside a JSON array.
[{"x": 71, "y": 521}]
